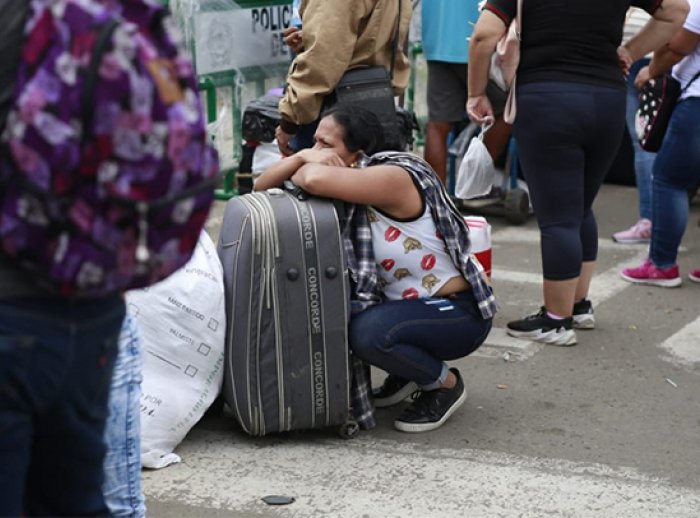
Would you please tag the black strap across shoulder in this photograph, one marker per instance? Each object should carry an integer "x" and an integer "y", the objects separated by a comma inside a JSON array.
[
  {"x": 13, "y": 14},
  {"x": 697, "y": 74},
  {"x": 104, "y": 39}
]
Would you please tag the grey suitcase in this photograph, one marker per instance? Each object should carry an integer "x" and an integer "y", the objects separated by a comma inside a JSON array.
[{"x": 287, "y": 302}]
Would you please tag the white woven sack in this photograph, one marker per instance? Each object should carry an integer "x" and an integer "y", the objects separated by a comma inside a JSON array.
[
  {"x": 476, "y": 172},
  {"x": 182, "y": 323}
]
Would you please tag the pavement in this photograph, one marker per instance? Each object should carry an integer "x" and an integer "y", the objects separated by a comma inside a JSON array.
[{"x": 608, "y": 428}]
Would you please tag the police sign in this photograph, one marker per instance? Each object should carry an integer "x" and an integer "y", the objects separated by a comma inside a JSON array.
[{"x": 226, "y": 40}]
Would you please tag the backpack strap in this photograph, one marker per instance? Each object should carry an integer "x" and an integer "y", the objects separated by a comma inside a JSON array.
[
  {"x": 13, "y": 14},
  {"x": 104, "y": 38}
]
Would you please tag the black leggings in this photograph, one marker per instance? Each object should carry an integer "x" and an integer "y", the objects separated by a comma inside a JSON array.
[{"x": 568, "y": 135}]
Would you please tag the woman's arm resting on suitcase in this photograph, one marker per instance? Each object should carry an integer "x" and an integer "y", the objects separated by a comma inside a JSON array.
[
  {"x": 283, "y": 170},
  {"x": 387, "y": 187}
]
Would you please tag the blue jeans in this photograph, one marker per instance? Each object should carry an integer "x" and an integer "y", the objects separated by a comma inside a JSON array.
[
  {"x": 676, "y": 170},
  {"x": 643, "y": 160},
  {"x": 412, "y": 339},
  {"x": 56, "y": 359},
  {"x": 304, "y": 137},
  {"x": 122, "y": 485}
]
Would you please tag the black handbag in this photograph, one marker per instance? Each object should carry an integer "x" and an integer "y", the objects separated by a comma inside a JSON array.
[
  {"x": 657, "y": 99},
  {"x": 260, "y": 119},
  {"x": 370, "y": 88}
]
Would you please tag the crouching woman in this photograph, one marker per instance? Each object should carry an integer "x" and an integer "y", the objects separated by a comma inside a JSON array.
[{"x": 419, "y": 298}]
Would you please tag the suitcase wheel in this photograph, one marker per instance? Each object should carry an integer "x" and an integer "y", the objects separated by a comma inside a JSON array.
[{"x": 349, "y": 429}]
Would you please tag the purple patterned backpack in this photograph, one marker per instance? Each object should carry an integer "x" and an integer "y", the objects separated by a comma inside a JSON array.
[{"x": 106, "y": 173}]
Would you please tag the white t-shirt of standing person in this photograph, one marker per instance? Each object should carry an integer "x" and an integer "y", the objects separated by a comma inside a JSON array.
[{"x": 686, "y": 69}]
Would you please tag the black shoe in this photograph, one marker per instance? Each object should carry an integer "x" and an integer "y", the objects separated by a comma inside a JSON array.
[
  {"x": 541, "y": 328},
  {"x": 393, "y": 391},
  {"x": 583, "y": 315},
  {"x": 432, "y": 408}
]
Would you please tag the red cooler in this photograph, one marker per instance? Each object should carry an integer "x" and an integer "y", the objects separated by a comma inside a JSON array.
[{"x": 480, "y": 238}]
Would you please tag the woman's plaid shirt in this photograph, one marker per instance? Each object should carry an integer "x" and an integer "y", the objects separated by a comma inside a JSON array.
[{"x": 363, "y": 268}]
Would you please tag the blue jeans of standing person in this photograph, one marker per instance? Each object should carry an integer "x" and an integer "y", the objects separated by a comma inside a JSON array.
[
  {"x": 412, "y": 339},
  {"x": 676, "y": 171},
  {"x": 304, "y": 137},
  {"x": 568, "y": 135},
  {"x": 56, "y": 359},
  {"x": 122, "y": 466},
  {"x": 643, "y": 160}
]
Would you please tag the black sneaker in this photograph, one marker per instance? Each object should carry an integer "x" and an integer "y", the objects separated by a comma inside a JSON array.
[
  {"x": 541, "y": 328},
  {"x": 583, "y": 315},
  {"x": 432, "y": 408},
  {"x": 393, "y": 391}
]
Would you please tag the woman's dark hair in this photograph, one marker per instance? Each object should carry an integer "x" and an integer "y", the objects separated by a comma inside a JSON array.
[{"x": 363, "y": 130}]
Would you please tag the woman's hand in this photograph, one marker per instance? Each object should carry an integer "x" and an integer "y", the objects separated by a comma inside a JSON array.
[
  {"x": 479, "y": 109},
  {"x": 293, "y": 39},
  {"x": 642, "y": 78},
  {"x": 283, "y": 139},
  {"x": 321, "y": 156},
  {"x": 625, "y": 59}
]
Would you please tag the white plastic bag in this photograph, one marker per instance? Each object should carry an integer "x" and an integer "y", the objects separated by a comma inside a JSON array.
[
  {"x": 266, "y": 155},
  {"x": 183, "y": 323},
  {"x": 476, "y": 171}
]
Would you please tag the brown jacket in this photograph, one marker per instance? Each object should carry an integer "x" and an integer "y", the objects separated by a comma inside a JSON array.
[{"x": 339, "y": 35}]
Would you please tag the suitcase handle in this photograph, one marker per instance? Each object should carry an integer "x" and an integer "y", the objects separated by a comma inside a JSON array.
[
  {"x": 295, "y": 190},
  {"x": 301, "y": 195}
]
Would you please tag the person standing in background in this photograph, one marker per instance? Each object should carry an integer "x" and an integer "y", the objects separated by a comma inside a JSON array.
[
  {"x": 56, "y": 359},
  {"x": 446, "y": 27},
  {"x": 122, "y": 464},
  {"x": 337, "y": 36},
  {"x": 570, "y": 122},
  {"x": 640, "y": 232},
  {"x": 677, "y": 164}
]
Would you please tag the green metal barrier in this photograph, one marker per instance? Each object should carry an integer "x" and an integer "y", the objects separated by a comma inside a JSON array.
[
  {"x": 234, "y": 80},
  {"x": 415, "y": 49},
  {"x": 210, "y": 85},
  {"x": 214, "y": 85}
]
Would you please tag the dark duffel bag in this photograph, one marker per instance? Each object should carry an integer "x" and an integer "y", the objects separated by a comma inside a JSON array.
[{"x": 260, "y": 119}]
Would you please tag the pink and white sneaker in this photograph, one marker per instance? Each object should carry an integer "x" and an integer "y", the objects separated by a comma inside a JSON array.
[
  {"x": 640, "y": 232},
  {"x": 648, "y": 273},
  {"x": 694, "y": 275}
]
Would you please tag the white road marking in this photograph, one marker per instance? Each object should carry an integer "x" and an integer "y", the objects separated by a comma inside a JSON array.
[
  {"x": 500, "y": 275},
  {"x": 604, "y": 286},
  {"x": 500, "y": 345},
  {"x": 527, "y": 235},
  {"x": 387, "y": 479},
  {"x": 683, "y": 347}
]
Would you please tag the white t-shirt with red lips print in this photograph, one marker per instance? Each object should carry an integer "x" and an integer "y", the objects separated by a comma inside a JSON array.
[{"x": 410, "y": 254}]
